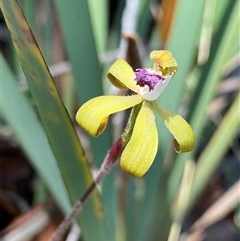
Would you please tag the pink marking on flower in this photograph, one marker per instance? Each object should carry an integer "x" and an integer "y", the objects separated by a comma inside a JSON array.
[{"x": 149, "y": 78}]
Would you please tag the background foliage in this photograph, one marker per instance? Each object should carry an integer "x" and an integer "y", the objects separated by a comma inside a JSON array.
[{"x": 79, "y": 40}]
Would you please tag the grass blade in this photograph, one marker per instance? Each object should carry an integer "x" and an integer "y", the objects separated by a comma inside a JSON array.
[
  {"x": 83, "y": 56},
  {"x": 20, "y": 116},
  {"x": 80, "y": 45},
  {"x": 181, "y": 43},
  {"x": 215, "y": 150},
  {"x": 210, "y": 76}
]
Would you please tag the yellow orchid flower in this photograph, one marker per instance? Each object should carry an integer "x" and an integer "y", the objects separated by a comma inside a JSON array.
[{"x": 147, "y": 85}]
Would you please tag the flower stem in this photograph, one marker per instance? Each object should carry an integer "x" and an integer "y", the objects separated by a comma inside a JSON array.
[
  {"x": 126, "y": 135},
  {"x": 111, "y": 158}
]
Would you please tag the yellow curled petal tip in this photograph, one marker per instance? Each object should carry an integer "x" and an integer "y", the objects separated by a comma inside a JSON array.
[
  {"x": 93, "y": 115},
  {"x": 164, "y": 60},
  {"x": 184, "y": 138},
  {"x": 139, "y": 153},
  {"x": 122, "y": 75}
]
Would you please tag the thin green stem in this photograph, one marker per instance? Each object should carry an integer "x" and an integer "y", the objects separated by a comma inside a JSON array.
[{"x": 126, "y": 135}]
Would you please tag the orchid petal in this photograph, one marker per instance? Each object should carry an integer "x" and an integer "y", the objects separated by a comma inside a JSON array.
[
  {"x": 138, "y": 155},
  {"x": 164, "y": 60},
  {"x": 158, "y": 89},
  {"x": 93, "y": 115},
  {"x": 184, "y": 138},
  {"x": 122, "y": 75}
]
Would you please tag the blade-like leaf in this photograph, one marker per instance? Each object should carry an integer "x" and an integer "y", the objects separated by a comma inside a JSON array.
[
  {"x": 60, "y": 132},
  {"x": 19, "y": 114},
  {"x": 181, "y": 44},
  {"x": 82, "y": 53},
  {"x": 212, "y": 155},
  {"x": 210, "y": 77},
  {"x": 99, "y": 19},
  {"x": 80, "y": 45}
]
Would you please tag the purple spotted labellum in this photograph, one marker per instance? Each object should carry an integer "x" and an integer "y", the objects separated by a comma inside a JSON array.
[{"x": 148, "y": 77}]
